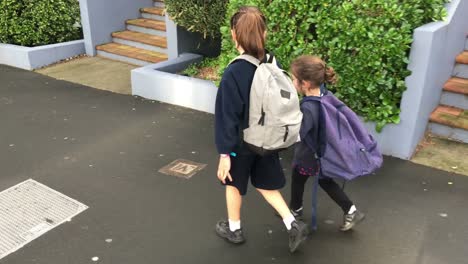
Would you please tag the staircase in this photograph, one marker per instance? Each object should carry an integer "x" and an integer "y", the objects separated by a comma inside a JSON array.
[
  {"x": 144, "y": 42},
  {"x": 450, "y": 118}
]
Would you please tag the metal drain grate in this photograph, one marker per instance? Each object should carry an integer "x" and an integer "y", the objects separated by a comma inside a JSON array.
[
  {"x": 182, "y": 168},
  {"x": 30, "y": 209}
]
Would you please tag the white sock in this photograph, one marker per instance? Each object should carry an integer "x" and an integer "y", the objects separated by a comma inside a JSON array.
[
  {"x": 234, "y": 225},
  {"x": 352, "y": 209},
  {"x": 288, "y": 221}
]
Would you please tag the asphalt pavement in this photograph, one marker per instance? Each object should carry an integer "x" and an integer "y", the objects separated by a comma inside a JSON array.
[{"x": 105, "y": 150}]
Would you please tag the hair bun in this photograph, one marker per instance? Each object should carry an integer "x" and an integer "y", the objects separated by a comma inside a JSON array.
[{"x": 330, "y": 75}]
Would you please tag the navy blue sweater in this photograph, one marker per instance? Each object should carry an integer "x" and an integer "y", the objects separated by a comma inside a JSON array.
[
  {"x": 312, "y": 133},
  {"x": 232, "y": 106}
]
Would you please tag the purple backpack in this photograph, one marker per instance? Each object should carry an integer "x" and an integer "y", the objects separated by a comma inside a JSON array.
[{"x": 350, "y": 150}]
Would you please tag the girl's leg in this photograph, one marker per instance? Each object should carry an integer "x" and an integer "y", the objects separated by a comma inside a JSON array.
[
  {"x": 352, "y": 216},
  {"x": 275, "y": 199},
  {"x": 231, "y": 229},
  {"x": 233, "y": 202},
  {"x": 297, "y": 190},
  {"x": 336, "y": 193},
  {"x": 298, "y": 231}
]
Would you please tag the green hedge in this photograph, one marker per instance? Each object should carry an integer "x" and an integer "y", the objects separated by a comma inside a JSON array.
[
  {"x": 366, "y": 41},
  {"x": 202, "y": 16},
  {"x": 39, "y": 22}
]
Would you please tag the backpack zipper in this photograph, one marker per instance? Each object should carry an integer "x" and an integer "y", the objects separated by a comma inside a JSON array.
[
  {"x": 262, "y": 119},
  {"x": 338, "y": 123},
  {"x": 286, "y": 134}
]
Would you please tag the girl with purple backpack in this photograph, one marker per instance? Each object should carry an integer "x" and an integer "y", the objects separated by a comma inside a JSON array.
[{"x": 309, "y": 74}]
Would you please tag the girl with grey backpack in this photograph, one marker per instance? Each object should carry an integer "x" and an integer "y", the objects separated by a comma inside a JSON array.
[{"x": 248, "y": 134}]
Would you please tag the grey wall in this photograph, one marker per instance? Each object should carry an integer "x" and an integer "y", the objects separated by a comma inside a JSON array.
[
  {"x": 102, "y": 17},
  {"x": 36, "y": 57},
  {"x": 15, "y": 56},
  {"x": 45, "y": 55},
  {"x": 171, "y": 35},
  {"x": 432, "y": 61},
  {"x": 157, "y": 83}
]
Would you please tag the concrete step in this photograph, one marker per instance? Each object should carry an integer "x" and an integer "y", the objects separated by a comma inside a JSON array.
[
  {"x": 450, "y": 122},
  {"x": 457, "y": 85},
  {"x": 154, "y": 10},
  {"x": 455, "y": 93},
  {"x": 450, "y": 116},
  {"x": 452, "y": 133},
  {"x": 147, "y": 26},
  {"x": 141, "y": 41},
  {"x": 454, "y": 100},
  {"x": 461, "y": 70},
  {"x": 461, "y": 66},
  {"x": 130, "y": 54},
  {"x": 462, "y": 57},
  {"x": 153, "y": 13},
  {"x": 159, "y": 3}
]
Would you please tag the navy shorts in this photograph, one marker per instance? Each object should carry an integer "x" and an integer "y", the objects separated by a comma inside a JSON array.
[{"x": 265, "y": 172}]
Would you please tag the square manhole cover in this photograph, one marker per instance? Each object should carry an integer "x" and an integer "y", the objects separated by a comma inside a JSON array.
[
  {"x": 29, "y": 210},
  {"x": 182, "y": 168}
]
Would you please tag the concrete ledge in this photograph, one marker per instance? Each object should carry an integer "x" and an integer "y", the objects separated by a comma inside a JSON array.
[
  {"x": 449, "y": 132},
  {"x": 455, "y": 100},
  {"x": 158, "y": 82},
  {"x": 37, "y": 57},
  {"x": 461, "y": 70}
]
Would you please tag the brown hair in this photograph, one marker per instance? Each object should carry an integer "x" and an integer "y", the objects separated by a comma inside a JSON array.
[
  {"x": 249, "y": 25},
  {"x": 313, "y": 69}
]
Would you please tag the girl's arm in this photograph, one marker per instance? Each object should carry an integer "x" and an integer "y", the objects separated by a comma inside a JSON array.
[{"x": 228, "y": 114}]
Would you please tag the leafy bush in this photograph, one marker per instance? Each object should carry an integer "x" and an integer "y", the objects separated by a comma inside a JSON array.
[
  {"x": 203, "y": 16},
  {"x": 206, "y": 69},
  {"x": 367, "y": 42},
  {"x": 39, "y": 22}
]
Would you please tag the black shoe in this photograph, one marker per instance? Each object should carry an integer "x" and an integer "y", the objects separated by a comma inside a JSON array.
[
  {"x": 296, "y": 213},
  {"x": 350, "y": 220},
  {"x": 222, "y": 229},
  {"x": 297, "y": 234}
]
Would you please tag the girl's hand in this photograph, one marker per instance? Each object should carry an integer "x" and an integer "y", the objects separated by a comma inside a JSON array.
[{"x": 223, "y": 168}]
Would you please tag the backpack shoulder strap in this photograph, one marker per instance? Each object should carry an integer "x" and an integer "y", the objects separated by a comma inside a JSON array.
[
  {"x": 248, "y": 58},
  {"x": 270, "y": 58}
]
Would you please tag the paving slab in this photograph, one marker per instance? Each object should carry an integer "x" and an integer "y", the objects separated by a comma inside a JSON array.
[
  {"x": 106, "y": 150},
  {"x": 96, "y": 72},
  {"x": 443, "y": 154}
]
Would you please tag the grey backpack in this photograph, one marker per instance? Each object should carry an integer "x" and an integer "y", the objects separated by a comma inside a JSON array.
[{"x": 274, "y": 113}]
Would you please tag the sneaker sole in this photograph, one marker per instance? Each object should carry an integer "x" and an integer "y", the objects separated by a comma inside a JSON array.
[
  {"x": 353, "y": 224},
  {"x": 222, "y": 235},
  {"x": 298, "y": 243}
]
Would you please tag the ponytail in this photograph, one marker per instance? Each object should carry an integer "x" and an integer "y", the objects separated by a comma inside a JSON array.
[{"x": 249, "y": 25}]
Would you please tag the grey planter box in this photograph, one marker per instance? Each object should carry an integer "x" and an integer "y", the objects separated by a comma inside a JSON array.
[
  {"x": 181, "y": 41},
  {"x": 158, "y": 82},
  {"x": 37, "y": 57}
]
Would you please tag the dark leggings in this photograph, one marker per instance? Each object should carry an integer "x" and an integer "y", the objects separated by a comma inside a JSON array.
[{"x": 328, "y": 185}]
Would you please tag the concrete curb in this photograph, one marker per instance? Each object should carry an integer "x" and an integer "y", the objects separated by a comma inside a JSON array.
[
  {"x": 37, "y": 57},
  {"x": 158, "y": 82}
]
